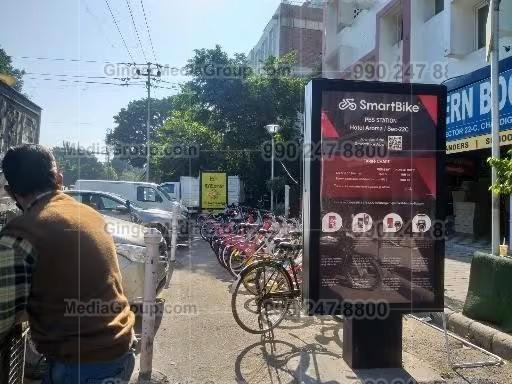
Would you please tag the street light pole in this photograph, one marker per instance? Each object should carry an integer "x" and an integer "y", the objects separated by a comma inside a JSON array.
[
  {"x": 272, "y": 129},
  {"x": 272, "y": 178},
  {"x": 495, "y": 114}
]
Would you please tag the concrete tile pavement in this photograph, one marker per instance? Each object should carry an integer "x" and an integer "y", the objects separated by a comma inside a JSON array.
[{"x": 457, "y": 268}]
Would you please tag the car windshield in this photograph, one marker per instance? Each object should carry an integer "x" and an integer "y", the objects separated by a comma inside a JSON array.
[
  {"x": 123, "y": 200},
  {"x": 164, "y": 192}
]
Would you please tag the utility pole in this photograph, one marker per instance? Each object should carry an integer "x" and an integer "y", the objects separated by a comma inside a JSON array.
[
  {"x": 148, "y": 121},
  {"x": 494, "y": 10}
]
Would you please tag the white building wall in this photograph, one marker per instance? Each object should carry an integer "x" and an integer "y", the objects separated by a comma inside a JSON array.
[
  {"x": 442, "y": 46},
  {"x": 353, "y": 42}
]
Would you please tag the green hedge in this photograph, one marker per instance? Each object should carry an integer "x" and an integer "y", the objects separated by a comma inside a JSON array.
[{"x": 489, "y": 295}]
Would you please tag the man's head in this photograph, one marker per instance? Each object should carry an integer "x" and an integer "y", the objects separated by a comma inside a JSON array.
[{"x": 30, "y": 169}]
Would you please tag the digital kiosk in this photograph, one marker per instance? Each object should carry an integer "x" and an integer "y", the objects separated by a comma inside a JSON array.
[{"x": 373, "y": 210}]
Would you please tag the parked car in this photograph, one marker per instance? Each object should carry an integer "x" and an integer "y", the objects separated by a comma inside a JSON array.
[
  {"x": 113, "y": 205},
  {"x": 131, "y": 254},
  {"x": 145, "y": 195}
]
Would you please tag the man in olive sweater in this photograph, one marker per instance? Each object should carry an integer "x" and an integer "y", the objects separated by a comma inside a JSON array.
[{"x": 55, "y": 260}]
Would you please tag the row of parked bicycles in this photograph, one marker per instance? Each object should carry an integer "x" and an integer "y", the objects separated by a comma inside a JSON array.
[{"x": 263, "y": 253}]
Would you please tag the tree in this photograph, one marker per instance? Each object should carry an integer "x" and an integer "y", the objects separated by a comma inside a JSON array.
[
  {"x": 75, "y": 165},
  {"x": 184, "y": 143},
  {"x": 6, "y": 67},
  {"x": 233, "y": 103},
  {"x": 503, "y": 168},
  {"x": 130, "y": 131}
]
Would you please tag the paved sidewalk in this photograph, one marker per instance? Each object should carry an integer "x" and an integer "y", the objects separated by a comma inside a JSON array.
[{"x": 457, "y": 267}]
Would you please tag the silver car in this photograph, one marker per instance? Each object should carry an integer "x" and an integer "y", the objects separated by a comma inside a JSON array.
[
  {"x": 112, "y": 205},
  {"x": 131, "y": 255}
]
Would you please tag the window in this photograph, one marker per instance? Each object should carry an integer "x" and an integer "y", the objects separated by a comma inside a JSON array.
[
  {"x": 163, "y": 192},
  {"x": 110, "y": 204},
  {"x": 169, "y": 188},
  {"x": 398, "y": 26},
  {"x": 146, "y": 194},
  {"x": 438, "y": 6},
  {"x": 481, "y": 25}
]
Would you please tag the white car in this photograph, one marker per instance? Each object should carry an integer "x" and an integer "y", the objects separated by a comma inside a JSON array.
[
  {"x": 145, "y": 195},
  {"x": 115, "y": 206},
  {"x": 131, "y": 254}
]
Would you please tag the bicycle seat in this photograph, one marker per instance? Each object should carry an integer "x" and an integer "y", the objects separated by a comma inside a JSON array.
[
  {"x": 263, "y": 231},
  {"x": 295, "y": 233},
  {"x": 289, "y": 246}
]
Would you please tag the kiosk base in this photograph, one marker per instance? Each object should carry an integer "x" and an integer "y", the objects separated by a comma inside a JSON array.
[{"x": 369, "y": 344}]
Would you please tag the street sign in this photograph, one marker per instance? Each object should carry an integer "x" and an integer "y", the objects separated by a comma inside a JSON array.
[
  {"x": 214, "y": 191},
  {"x": 374, "y": 203}
]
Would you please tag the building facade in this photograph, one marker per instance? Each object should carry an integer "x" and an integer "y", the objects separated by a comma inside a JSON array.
[
  {"x": 20, "y": 119},
  {"x": 425, "y": 41},
  {"x": 293, "y": 27},
  {"x": 434, "y": 41}
]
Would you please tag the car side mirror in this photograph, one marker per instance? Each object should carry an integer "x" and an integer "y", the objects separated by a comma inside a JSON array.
[{"x": 123, "y": 209}]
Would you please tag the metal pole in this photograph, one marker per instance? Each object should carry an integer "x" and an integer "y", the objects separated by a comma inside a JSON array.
[
  {"x": 148, "y": 122},
  {"x": 152, "y": 240},
  {"x": 174, "y": 233},
  {"x": 286, "y": 201},
  {"x": 272, "y": 178},
  {"x": 495, "y": 215}
]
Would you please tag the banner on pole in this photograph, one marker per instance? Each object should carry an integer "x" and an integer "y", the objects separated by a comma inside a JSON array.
[{"x": 213, "y": 190}]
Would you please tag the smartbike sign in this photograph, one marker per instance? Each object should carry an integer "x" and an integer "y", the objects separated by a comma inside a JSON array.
[
  {"x": 468, "y": 117},
  {"x": 374, "y": 197}
]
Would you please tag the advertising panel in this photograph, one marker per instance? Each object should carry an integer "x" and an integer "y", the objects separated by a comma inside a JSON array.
[
  {"x": 380, "y": 233},
  {"x": 468, "y": 118},
  {"x": 213, "y": 190}
]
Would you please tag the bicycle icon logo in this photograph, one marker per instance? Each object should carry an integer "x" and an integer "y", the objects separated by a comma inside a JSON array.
[{"x": 348, "y": 104}]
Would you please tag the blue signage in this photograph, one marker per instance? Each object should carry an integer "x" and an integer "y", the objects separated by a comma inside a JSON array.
[{"x": 469, "y": 103}]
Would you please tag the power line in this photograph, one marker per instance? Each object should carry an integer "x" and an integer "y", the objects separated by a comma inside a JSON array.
[
  {"x": 157, "y": 86},
  {"x": 147, "y": 28},
  {"x": 79, "y": 76},
  {"x": 136, "y": 30},
  {"x": 119, "y": 30},
  {"x": 98, "y": 24},
  {"x": 68, "y": 60},
  {"x": 81, "y": 81}
]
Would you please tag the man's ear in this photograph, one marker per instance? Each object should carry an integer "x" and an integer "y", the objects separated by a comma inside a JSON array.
[{"x": 60, "y": 179}]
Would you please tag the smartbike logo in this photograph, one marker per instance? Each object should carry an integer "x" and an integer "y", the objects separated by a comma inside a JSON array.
[{"x": 395, "y": 106}]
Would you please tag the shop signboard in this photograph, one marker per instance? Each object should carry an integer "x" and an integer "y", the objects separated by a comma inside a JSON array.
[
  {"x": 214, "y": 189},
  {"x": 468, "y": 117},
  {"x": 374, "y": 197}
]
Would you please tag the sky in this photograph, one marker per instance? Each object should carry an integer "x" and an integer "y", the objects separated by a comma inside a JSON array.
[{"x": 84, "y": 30}]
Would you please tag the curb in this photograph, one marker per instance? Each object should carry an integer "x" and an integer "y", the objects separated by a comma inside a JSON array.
[{"x": 491, "y": 339}]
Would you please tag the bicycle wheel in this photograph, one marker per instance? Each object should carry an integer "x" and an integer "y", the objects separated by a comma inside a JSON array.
[
  {"x": 205, "y": 231},
  {"x": 225, "y": 256},
  {"x": 236, "y": 262},
  {"x": 262, "y": 312}
]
